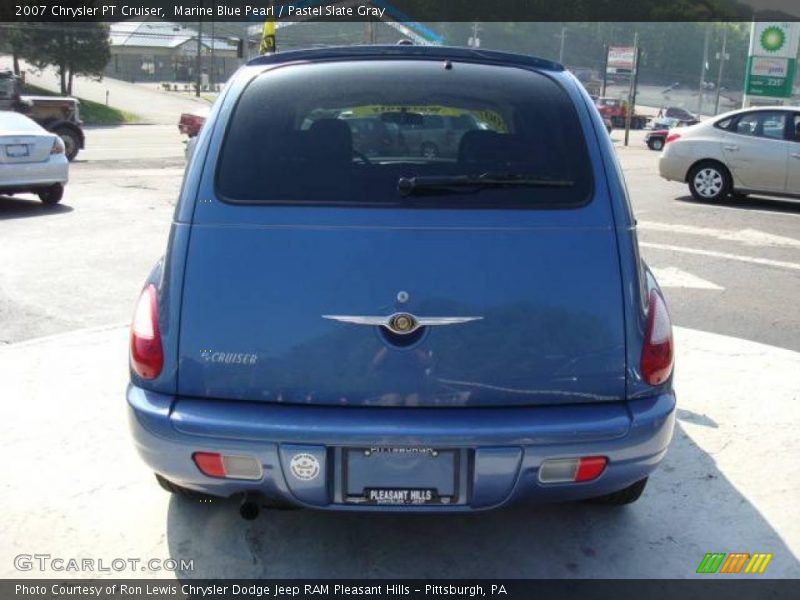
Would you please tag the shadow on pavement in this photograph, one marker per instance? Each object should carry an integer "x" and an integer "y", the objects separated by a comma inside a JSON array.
[
  {"x": 779, "y": 205},
  {"x": 18, "y": 208},
  {"x": 689, "y": 508}
]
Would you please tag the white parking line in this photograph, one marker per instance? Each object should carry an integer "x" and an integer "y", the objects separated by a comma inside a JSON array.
[
  {"x": 676, "y": 278},
  {"x": 750, "y": 237},
  {"x": 782, "y": 264}
]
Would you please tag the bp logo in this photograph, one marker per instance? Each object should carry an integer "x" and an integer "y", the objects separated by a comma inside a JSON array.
[{"x": 773, "y": 39}]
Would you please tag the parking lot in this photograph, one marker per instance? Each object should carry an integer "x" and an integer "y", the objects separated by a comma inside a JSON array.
[{"x": 74, "y": 487}]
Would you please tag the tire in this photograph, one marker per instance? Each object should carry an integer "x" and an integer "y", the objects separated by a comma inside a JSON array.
[
  {"x": 51, "y": 195},
  {"x": 624, "y": 496},
  {"x": 183, "y": 492},
  {"x": 657, "y": 144},
  {"x": 709, "y": 181},
  {"x": 429, "y": 150},
  {"x": 72, "y": 143}
]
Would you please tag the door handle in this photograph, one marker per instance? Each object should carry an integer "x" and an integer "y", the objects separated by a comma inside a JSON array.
[
  {"x": 731, "y": 148},
  {"x": 795, "y": 154}
]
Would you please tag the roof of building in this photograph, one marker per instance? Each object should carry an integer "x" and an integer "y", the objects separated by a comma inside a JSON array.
[{"x": 161, "y": 34}]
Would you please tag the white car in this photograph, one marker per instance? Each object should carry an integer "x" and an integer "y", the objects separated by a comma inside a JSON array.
[
  {"x": 753, "y": 150},
  {"x": 32, "y": 159}
]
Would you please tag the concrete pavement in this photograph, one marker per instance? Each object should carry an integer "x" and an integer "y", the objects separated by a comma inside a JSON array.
[{"x": 74, "y": 487}]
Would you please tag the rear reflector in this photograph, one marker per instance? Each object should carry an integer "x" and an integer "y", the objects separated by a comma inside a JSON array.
[
  {"x": 657, "y": 352},
  {"x": 147, "y": 355},
  {"x": 228, "y": 466},
  {"x": 569, "y": 470}
]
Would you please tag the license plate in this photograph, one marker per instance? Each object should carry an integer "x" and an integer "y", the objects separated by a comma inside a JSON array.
[
  {"x": 16, "y": 150},
  {"x": 400, "y": 475},
  {"x": 401, "y": 496}
]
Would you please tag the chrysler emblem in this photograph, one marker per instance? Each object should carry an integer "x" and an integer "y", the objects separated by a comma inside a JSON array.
[{"x": 400, "y": 323}]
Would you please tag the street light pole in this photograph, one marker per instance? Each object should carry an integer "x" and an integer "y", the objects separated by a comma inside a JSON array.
[
  {"x": 723, "y": 56},
  {"x": 561, "y": 48},
  {"x": 199, "y": 63},
  {"x": 703, "y": 68}
]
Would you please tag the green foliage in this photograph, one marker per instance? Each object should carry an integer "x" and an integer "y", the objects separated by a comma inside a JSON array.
[{"x": 73, "y": 48}]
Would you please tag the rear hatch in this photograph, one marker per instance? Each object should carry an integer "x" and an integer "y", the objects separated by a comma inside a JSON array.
[{"x": 295, "y": 251}]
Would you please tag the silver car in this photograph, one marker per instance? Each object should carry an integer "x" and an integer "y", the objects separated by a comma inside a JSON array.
[
  {"x": 753, "y": 150},
  {"x": 32, "y": 159}
]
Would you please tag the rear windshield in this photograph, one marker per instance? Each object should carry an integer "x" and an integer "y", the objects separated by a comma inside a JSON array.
[{"x": 349, "y": 133}]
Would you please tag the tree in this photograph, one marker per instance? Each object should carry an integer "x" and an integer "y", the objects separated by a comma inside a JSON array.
[{"x": 73, "y": 48}]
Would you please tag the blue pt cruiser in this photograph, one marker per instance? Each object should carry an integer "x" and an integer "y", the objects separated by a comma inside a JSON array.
[{"x": 346, "y": 318}]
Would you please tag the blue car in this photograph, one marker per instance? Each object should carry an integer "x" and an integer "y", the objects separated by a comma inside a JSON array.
[{"x": 339, "y": 329}]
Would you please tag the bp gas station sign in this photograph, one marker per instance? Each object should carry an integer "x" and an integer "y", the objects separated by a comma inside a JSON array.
[{"x": 772, "y": 60}]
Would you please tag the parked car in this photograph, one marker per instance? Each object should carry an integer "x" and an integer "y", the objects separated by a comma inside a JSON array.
[
  {"x": 190, "y": 123},
  {"x": 443, "y": 333},
  {"x": 681, "y": 114},
  {"x": 754, "y": 150},
  {"x": 435, "y": 136},
  {"x": 32, "y": 160},
  {"x": 58, "y": 114},
  {"x": 656, "y": 139}
]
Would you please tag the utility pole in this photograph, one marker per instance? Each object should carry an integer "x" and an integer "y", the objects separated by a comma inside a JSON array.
[
  {"x": 199, "y": 60},
  {"x": 723, "y": 56},
  {"x": 213, "y": 64},
  {"x": 605, "y": 71},
  {"x": 632, "y": 87},
  {"x": 563, "y": 37},
  {"x": 703, "y": 69}
]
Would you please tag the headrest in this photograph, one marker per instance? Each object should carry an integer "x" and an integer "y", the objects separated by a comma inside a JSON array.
[
  {"x": 480, "y": 148},
  {"x": 329, "y": 141}
]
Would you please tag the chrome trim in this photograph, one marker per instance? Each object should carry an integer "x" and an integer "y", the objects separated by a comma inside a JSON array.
[{"x": 386, "y": 321}]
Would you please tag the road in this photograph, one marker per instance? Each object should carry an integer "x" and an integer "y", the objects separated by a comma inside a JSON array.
[{"x": 68, "y": 279}]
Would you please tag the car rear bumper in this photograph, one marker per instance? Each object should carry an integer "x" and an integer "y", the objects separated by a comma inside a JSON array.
[
  {"x": 500, "y": 450},
  {"x": 24, "y": 176},
  {"x": 673, "y": 167}
]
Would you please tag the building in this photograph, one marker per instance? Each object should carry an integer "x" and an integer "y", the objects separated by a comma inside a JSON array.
[{"x": 154, "y": 50}]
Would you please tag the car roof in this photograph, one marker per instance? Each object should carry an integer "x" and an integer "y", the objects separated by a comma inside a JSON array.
[
  {"x": 376, "y": 52},
  {"x": 16, "y": 122},
  {"x": 733, "y": 113}
]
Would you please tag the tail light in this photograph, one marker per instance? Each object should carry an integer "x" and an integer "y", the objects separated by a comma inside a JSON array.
[
  {"x": 657, "y": 353},
  {"x": 147, "y": 355},
  {"x": 58, "y": 146},
  {"x": 228, "y": 466},
  {"x": 569, "y": 470},
  {"x": 672, "y": 137}
]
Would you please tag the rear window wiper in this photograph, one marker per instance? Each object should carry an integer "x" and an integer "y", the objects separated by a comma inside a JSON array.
[{"x": 414, "y": 185}]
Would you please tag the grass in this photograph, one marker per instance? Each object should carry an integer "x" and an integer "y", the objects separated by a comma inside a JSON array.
[{"x": 92, "y": 113}]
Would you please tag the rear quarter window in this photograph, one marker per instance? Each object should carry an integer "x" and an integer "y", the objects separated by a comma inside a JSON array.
[{"x": 344, "y": 133}]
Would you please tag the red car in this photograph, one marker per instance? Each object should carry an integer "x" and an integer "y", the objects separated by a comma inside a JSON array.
[{"x": 191, "y": 123}]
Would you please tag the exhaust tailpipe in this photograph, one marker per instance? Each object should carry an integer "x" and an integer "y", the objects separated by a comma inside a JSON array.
[{"x": 249, "y": 509}]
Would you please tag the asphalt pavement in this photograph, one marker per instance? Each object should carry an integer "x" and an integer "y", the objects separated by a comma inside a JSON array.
[{"x": 69, "y": 276}]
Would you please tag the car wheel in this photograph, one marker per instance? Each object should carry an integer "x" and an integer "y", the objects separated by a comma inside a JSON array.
[
  {"x": 71, "y": 142},
  {"x": 52, "y": 195},
  {"x": 709, "y": 181},
  {"x": 183, "y": 492},
  {"x": 429, "y": 150},
  {"x": 624, "y": 496},
  {"x": 656, "y": 144}
]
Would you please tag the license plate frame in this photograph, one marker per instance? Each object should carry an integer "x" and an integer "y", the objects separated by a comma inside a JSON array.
[
  {"x": 402, "y": 494},
  {"x": 17, "y": 150}
]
